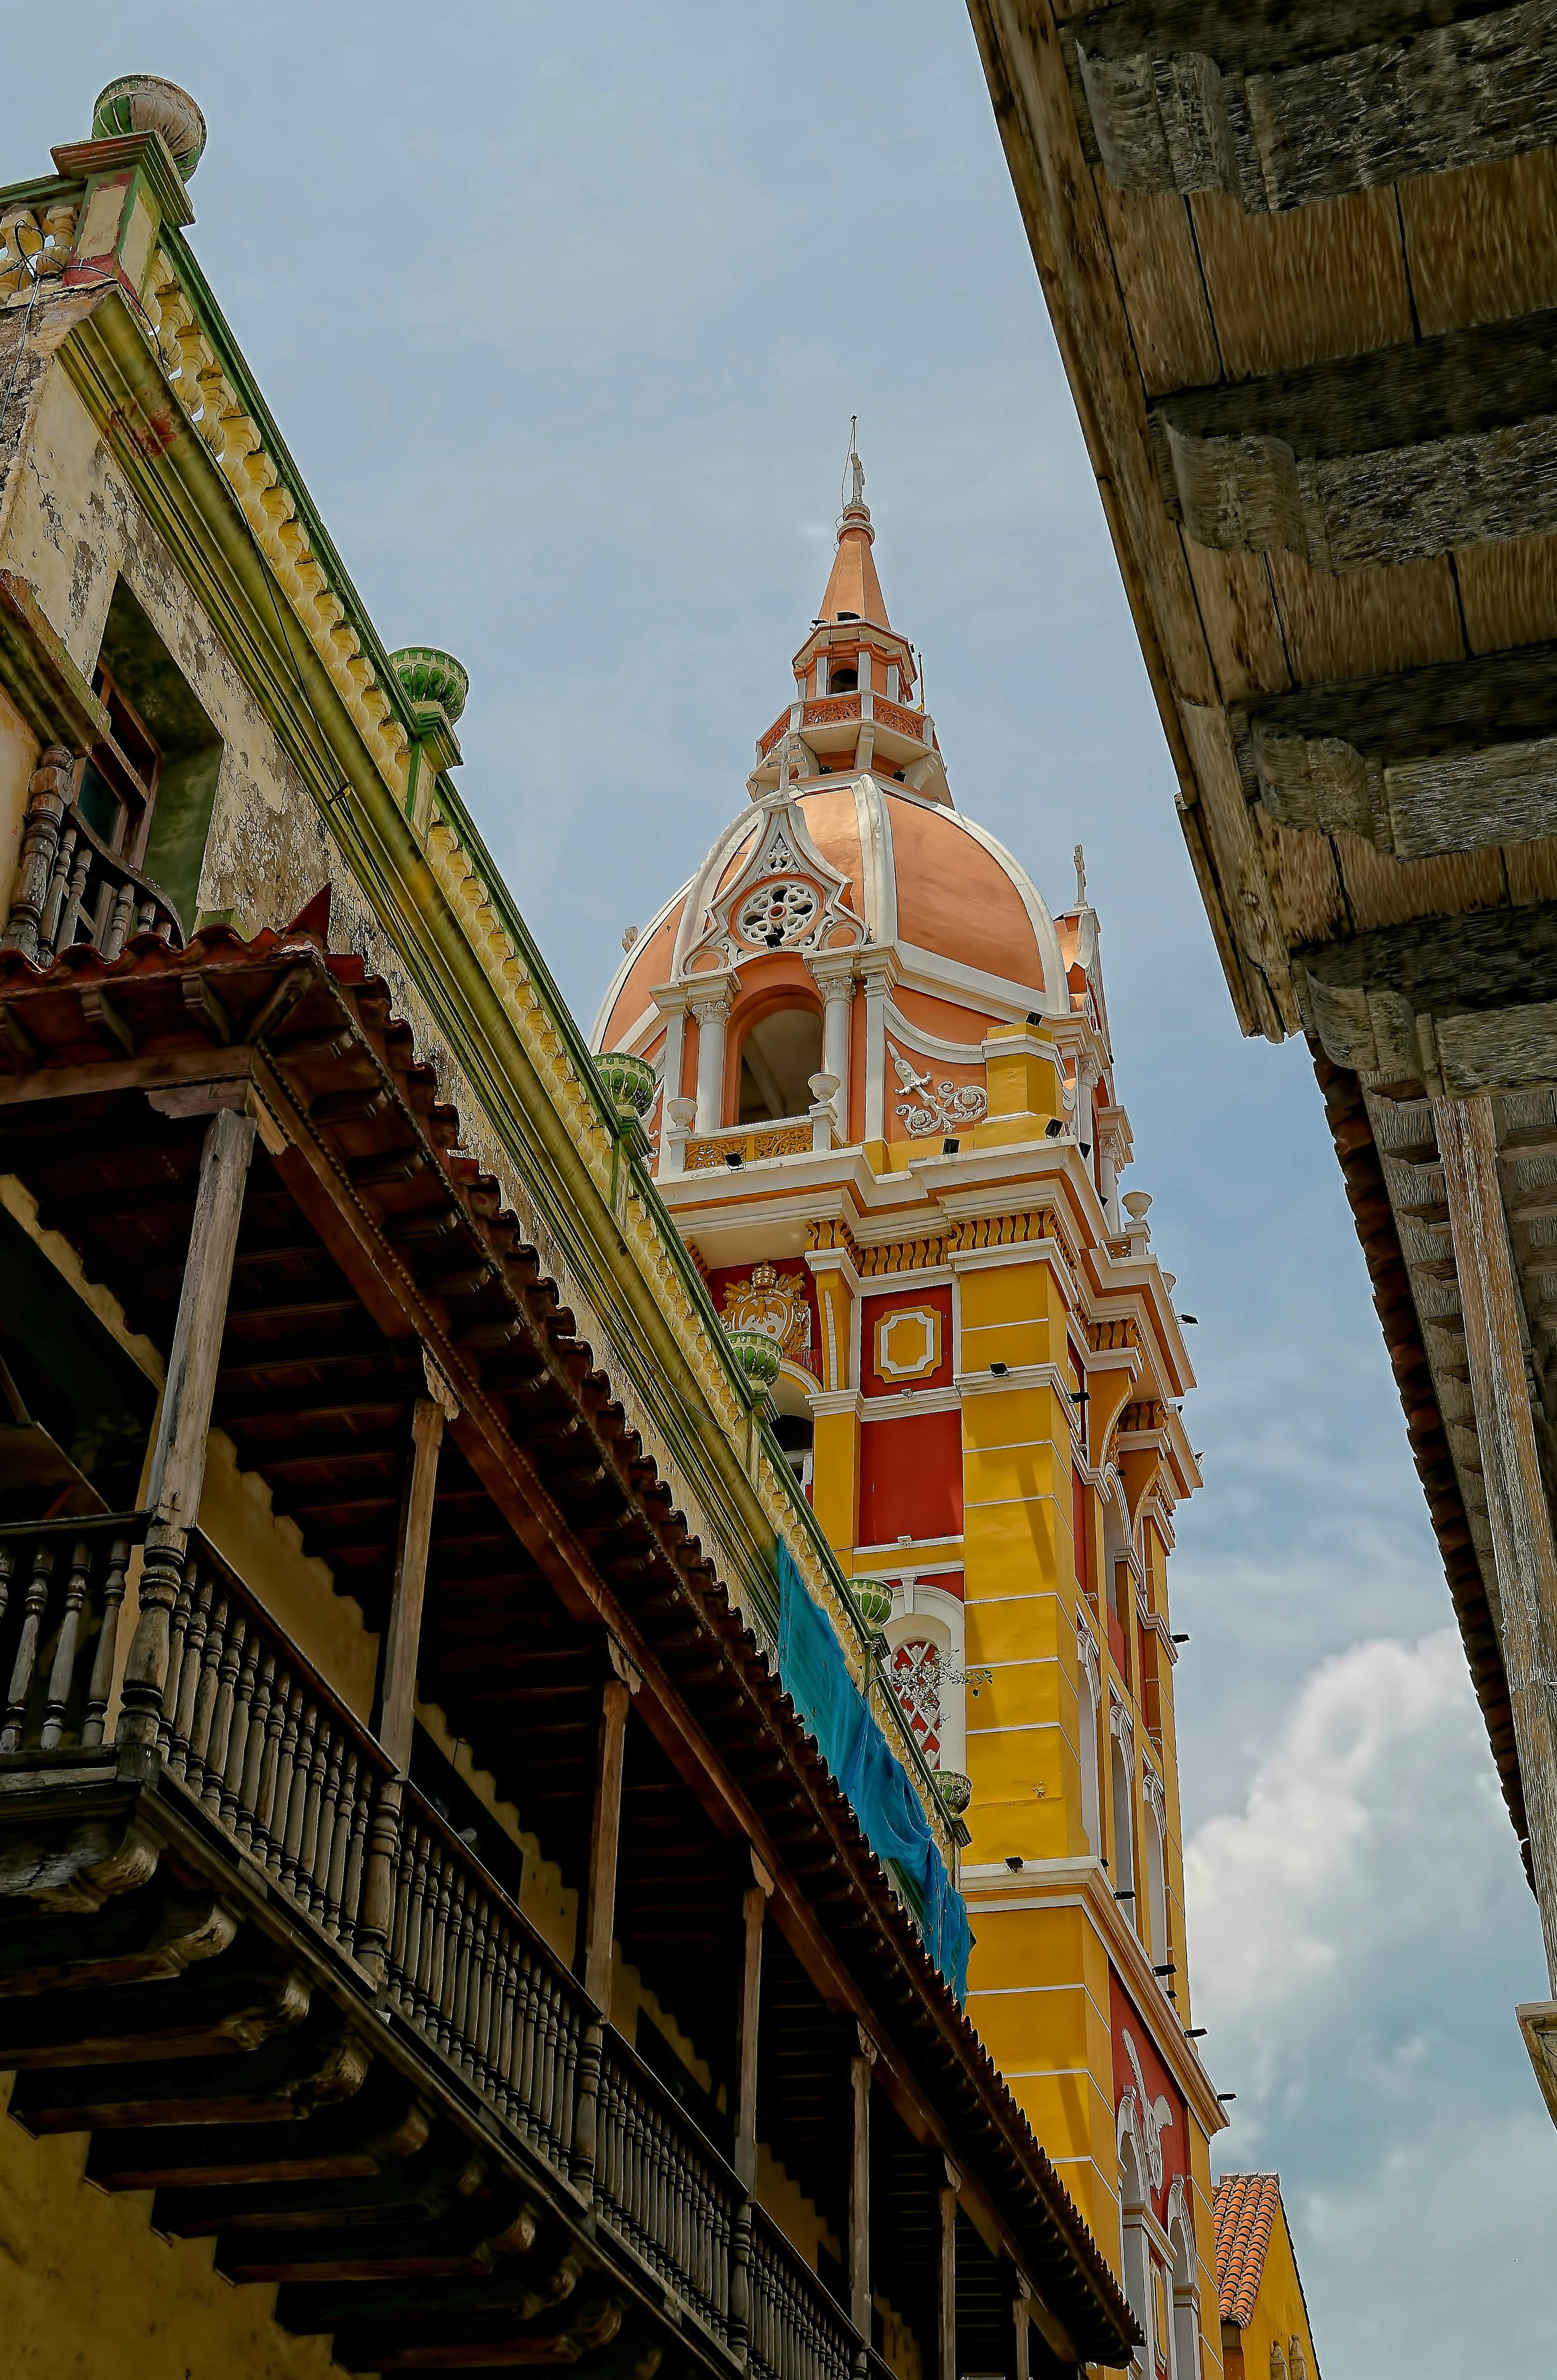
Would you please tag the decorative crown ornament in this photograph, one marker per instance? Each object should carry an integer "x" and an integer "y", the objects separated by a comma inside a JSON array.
[{"x": 142, "y": 103}]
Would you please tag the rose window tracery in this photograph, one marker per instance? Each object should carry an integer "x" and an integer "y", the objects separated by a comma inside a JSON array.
[{"x": 777, "y": 914}]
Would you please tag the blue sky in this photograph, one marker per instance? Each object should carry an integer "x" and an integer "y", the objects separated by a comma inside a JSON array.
[{"x": 563, "y": 314}]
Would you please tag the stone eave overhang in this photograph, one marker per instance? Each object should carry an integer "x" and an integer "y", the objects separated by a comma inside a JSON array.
[
  {"x": 155, "y": 1017},
  {"x": 1373, "y": 1216}
]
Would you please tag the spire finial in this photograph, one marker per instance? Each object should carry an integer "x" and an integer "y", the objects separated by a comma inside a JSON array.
[
  {"x": 1080, "y": 859},
  {"x": 853, "y": 464}
]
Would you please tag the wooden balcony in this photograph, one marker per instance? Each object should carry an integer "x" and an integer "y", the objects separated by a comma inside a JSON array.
[
  {"x": 241, "y": 1945},
  {"x": 299, "y": 1939}
]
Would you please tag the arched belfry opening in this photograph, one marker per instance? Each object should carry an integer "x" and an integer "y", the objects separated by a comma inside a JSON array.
[{"x": 778, "y": 1055}]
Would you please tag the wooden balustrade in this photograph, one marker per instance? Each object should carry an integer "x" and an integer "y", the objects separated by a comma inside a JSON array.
[
  {"x": 470, "y": 1972},
  {"x": 273, "y": 1755},
  {"x": 62, "y": 1588},
  {"x": 797, "y": 2329},
  {"x": 267, "y": 1748},
  {"x": 95, "y": 897},
  {"x": 657, "y": 2184},
  {"x": 71, "y": 887}
]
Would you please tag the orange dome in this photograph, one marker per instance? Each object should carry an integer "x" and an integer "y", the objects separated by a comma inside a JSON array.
[{"x": 915, "y": 873}]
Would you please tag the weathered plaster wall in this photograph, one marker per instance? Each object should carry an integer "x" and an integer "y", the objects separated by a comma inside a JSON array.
[
  {"x": 89, "y": 2292},
  {"x": 73, "y": 527}
]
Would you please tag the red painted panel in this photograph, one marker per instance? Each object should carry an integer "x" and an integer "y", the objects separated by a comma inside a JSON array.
[
  {"x": 910, "y": 1479},
  {"x": 872, "y": 1311},
  {"x": 1125, "y": 2018}
]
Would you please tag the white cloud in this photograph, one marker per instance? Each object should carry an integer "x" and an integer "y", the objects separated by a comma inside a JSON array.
[
  {"x": 1272, "y": 1890},
  {"x": 1360, "y": 1932}
]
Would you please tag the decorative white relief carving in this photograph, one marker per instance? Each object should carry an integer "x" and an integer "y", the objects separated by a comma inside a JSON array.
[
  {"x": 1087, "y": 1661},
  {"x": 926, "y": 1107},
  {"x": 1154, "y": 1797},
  {"x": 1121, "y": 1724},
  {"x": 779, "y": 913},
  {"x": 1146, "y": 2120},
  {"x": 786, "y": 896}
]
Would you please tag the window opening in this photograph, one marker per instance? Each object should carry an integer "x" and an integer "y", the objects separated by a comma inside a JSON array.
[
  {"x": 116, "y": 781},
  {"x": 778, "y": 1057}
]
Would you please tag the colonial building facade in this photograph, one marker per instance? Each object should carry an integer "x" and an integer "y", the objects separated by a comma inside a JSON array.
[
  {"x": 430, "y": 1938},
  {"x": 879, "y": 1087}
]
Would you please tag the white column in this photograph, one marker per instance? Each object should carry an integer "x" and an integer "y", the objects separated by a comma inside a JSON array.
[
  {"x": 711, "y": 1010},
  {"x": 834, "y": 978},
  {"x": 879, "y": 975},
  {"x": 672, "y": 1006}
]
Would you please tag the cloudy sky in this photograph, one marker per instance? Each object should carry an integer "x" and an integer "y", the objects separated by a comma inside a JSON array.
[{"x": 563, "y": 312}]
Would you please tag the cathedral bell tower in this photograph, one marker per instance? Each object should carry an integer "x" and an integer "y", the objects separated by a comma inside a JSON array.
[{"x": 881, "y": 1101}]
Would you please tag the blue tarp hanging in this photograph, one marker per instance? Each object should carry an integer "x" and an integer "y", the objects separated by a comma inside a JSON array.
[{"x": 831, "y": 1706}]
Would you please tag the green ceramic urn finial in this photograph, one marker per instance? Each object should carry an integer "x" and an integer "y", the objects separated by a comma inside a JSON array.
[
  {"x": 142, "y": 103},
  {"x": 431, "y": 676},
  {"x": 757, "y": 1356},
  {"x": 630, "y": 1083}
]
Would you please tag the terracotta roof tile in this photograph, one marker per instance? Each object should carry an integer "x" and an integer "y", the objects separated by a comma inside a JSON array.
[{"x": 1245, "y": 2207}]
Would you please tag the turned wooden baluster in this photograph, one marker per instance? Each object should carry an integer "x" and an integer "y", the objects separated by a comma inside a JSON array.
[
  {"x": 228, "y": 1714},
  {"x": 49, "y": 788},
  {"x": 232, "y": 1808},
  {"x": 304, "y": 1881},
  {"x": 297, "y": 1797},
  {"x": 177, "y": 1629},
  {"x": 101, "y": 1682},
  {"x": 63, "y": 1672},
  {"x": 113, "y": 940},
  {"x": 196, "y": 1629},
  {"x": 526, "y": 2010},
  {"x": 289, "y": 1700},
  {"x": 26, "y": 1661},
  {"x": 202, "y": 1708},
  {"x": 340, "y": 1798},
  {"x": 361, "y": 1817},
  {"x": 327, "y": 1766},
  {"x": 261, "y": 1758},
  {"x": 63, "y": 934}
]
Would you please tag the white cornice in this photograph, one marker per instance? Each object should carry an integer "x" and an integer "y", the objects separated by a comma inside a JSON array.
[
  {"x": 1019, "y": 1376},
  {"x": 907, "y": 1402}
]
